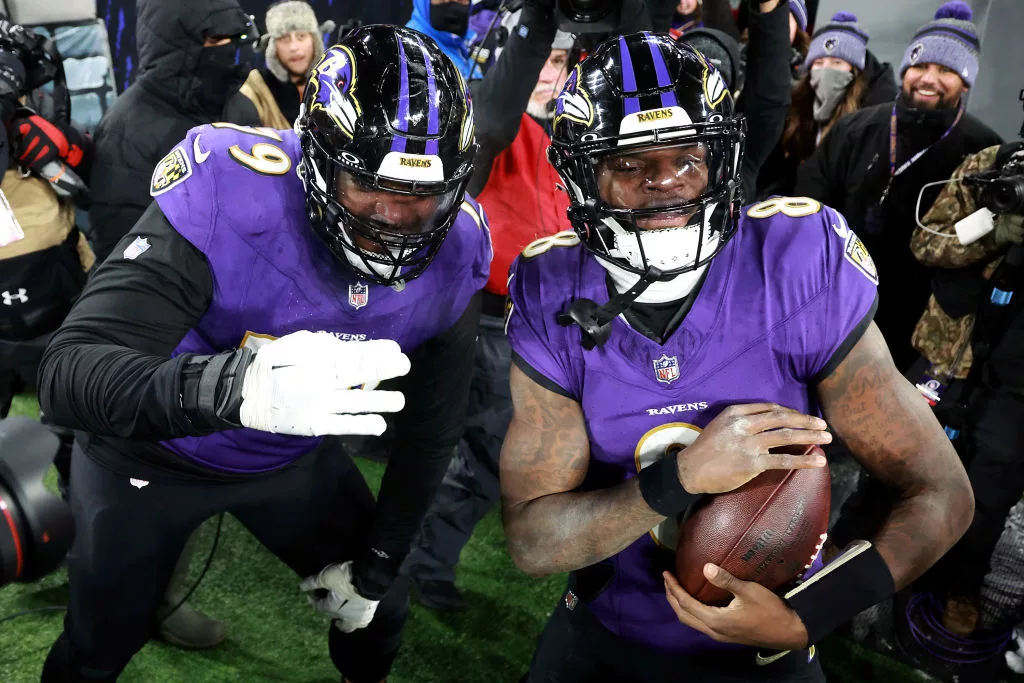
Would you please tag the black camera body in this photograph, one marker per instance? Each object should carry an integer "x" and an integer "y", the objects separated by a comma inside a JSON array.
[
  {"x": 1001, "y": 190},
  {"x": 588, "y": 16}
]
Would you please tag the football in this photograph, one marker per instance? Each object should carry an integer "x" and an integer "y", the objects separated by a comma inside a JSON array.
[{"x": 769, "y": 530}]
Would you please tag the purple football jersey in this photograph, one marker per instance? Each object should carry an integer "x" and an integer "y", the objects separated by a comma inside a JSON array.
[
  {"x": 235, "y": 194},
  {"x": 781, "y": 301}
]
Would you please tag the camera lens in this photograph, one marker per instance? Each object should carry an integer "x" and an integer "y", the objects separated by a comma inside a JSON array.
[{"x": 1006, "y": 195}]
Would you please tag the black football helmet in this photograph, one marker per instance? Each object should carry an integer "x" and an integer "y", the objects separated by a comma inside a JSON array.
[
  {"x": 387, "y": 137},
  {"x": 633, "y": 94}
]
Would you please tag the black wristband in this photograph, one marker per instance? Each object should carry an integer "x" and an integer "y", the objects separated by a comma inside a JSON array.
[
  {"x": 855, "y": 580},
  {"x": 662, "y": 490},
  {"x": 211, "y": 389}
]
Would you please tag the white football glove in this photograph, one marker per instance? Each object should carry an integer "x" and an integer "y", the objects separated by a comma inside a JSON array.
[
  {"x": 306, "y": 383},
  {"x": 343, "y": 603}
]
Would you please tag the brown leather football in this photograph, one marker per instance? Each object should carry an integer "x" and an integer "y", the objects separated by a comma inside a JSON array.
[{"x": 768, "y": 530}]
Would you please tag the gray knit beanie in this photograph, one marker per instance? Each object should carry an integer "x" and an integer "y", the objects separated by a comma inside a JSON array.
[
  {"x": 285, "y": 17},
  {"x": 841, "y": 38},
  {"x": 950, "y": 40}
]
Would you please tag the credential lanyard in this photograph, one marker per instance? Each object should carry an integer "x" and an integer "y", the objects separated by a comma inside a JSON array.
[{"x": 893, "y": 170}]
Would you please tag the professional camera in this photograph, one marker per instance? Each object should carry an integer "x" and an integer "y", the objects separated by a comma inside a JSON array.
[
  {"x": 1002, "y": 188},
  {"x": 36, "y": 527},
  {"x": 588, "y": 16}
]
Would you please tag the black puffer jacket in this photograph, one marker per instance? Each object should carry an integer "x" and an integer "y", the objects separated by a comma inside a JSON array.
[
  {"x": 159, "y": 108},
  {"x": 881, "y": 82}
]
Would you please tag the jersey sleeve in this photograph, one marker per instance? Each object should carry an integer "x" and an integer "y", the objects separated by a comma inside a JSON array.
[
  {"x": 843, "y": 306},
  {"x": 533, "y": 332},
  {"x": 185, "y": 188}
]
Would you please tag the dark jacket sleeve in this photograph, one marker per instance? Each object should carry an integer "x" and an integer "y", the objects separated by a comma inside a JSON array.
[
  {"x": 767, "y": 93},
  {"x": 427, "y": 433},
  {"x": 240, "y": 110},
  {"x": 500, "y": 98},
  {"x": 108, "y": 370},
  {"x": 822, "y": 175}
]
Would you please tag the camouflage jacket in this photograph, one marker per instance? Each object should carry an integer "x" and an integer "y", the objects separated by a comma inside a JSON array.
[{"x": 943, "y": 340}]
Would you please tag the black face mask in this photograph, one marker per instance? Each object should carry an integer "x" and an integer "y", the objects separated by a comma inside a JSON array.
[
  {"x": 218, "y": 77},
  {"x": 451, "y": 17}
]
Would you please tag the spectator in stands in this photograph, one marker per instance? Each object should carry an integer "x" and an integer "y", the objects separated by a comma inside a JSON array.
[
  {"x": 43, "y": 256},
  {"x": 187, "y": 77},
  {"x": 447, "y": 22},
  {"x": 689, "y": 15},
  {"x": 292, "y": 44},
  {"x": 947, "y": 335},
  {"x": 874, "y": 178},
  {"x": 840, "y": 76}
]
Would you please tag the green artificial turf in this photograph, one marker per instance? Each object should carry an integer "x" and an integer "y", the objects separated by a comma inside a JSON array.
[{"x": 273, "y": 635}]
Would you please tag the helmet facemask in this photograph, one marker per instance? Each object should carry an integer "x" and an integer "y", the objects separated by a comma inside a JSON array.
[
  {"x": 665, "y": 198},
  {"x": 388, "y": 229}
]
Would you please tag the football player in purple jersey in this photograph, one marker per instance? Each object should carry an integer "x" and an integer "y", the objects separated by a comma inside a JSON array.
[{"x": 660, "y": 350}]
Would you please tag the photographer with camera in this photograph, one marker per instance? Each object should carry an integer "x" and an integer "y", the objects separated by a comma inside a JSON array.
[
  {"x": 972, "y": 337},
  {"x": 43, "y": 257}
]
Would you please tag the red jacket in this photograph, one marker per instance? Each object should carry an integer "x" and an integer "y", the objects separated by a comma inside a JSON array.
[{"x": 522, "y": 200}]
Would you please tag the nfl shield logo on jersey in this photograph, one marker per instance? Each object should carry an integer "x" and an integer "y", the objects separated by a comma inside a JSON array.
[
  {"x": 666, "y": 369},
  {"x": 358, "y": 294}
]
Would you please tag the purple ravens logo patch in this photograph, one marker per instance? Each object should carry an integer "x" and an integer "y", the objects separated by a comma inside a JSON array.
[
  {"x": 333, "y": 80},
  {"x": 830, "y": 45},
  {"x": 915, "y": 53}
]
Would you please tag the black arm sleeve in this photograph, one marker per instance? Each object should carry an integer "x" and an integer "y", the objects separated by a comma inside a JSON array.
[
  {"x": 766, "y": 95},
  {"x": 427, "y": 432},
  {"x": 107, "y": 369},
  {"x": 500, "y": 98}
]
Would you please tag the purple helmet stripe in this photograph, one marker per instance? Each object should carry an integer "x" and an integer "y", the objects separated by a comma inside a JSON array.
[
  {"x": 668, "y": 99},
  {"x": 631, "y": 104},
  {"x": 433, "y": 125},
  {"x": 398, "y": 144}
]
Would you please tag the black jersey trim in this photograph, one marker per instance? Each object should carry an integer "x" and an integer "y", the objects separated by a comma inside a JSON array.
[
  {"x": 539, "y": 377},
  {"x": 848, "y": 343}
]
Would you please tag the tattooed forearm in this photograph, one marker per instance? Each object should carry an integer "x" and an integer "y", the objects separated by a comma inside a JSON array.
[
  {"x": 550, "y": 527},
  {"x": 893, "y": 434}
]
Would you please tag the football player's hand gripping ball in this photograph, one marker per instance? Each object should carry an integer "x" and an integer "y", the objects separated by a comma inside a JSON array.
[
  {"x": 736, "y": 446},
  {"x": 342, "y": 601},
  {"x": 308, "y": 384}
]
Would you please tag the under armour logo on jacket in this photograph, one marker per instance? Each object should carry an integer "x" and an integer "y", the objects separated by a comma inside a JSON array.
[{"x": 21, "y": 296}]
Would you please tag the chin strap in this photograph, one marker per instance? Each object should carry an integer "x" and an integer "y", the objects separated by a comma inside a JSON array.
[{"x": 595, "y": 321}]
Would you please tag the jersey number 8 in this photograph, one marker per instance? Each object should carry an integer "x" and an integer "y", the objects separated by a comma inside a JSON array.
[{"x": 794, "y": 207}]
